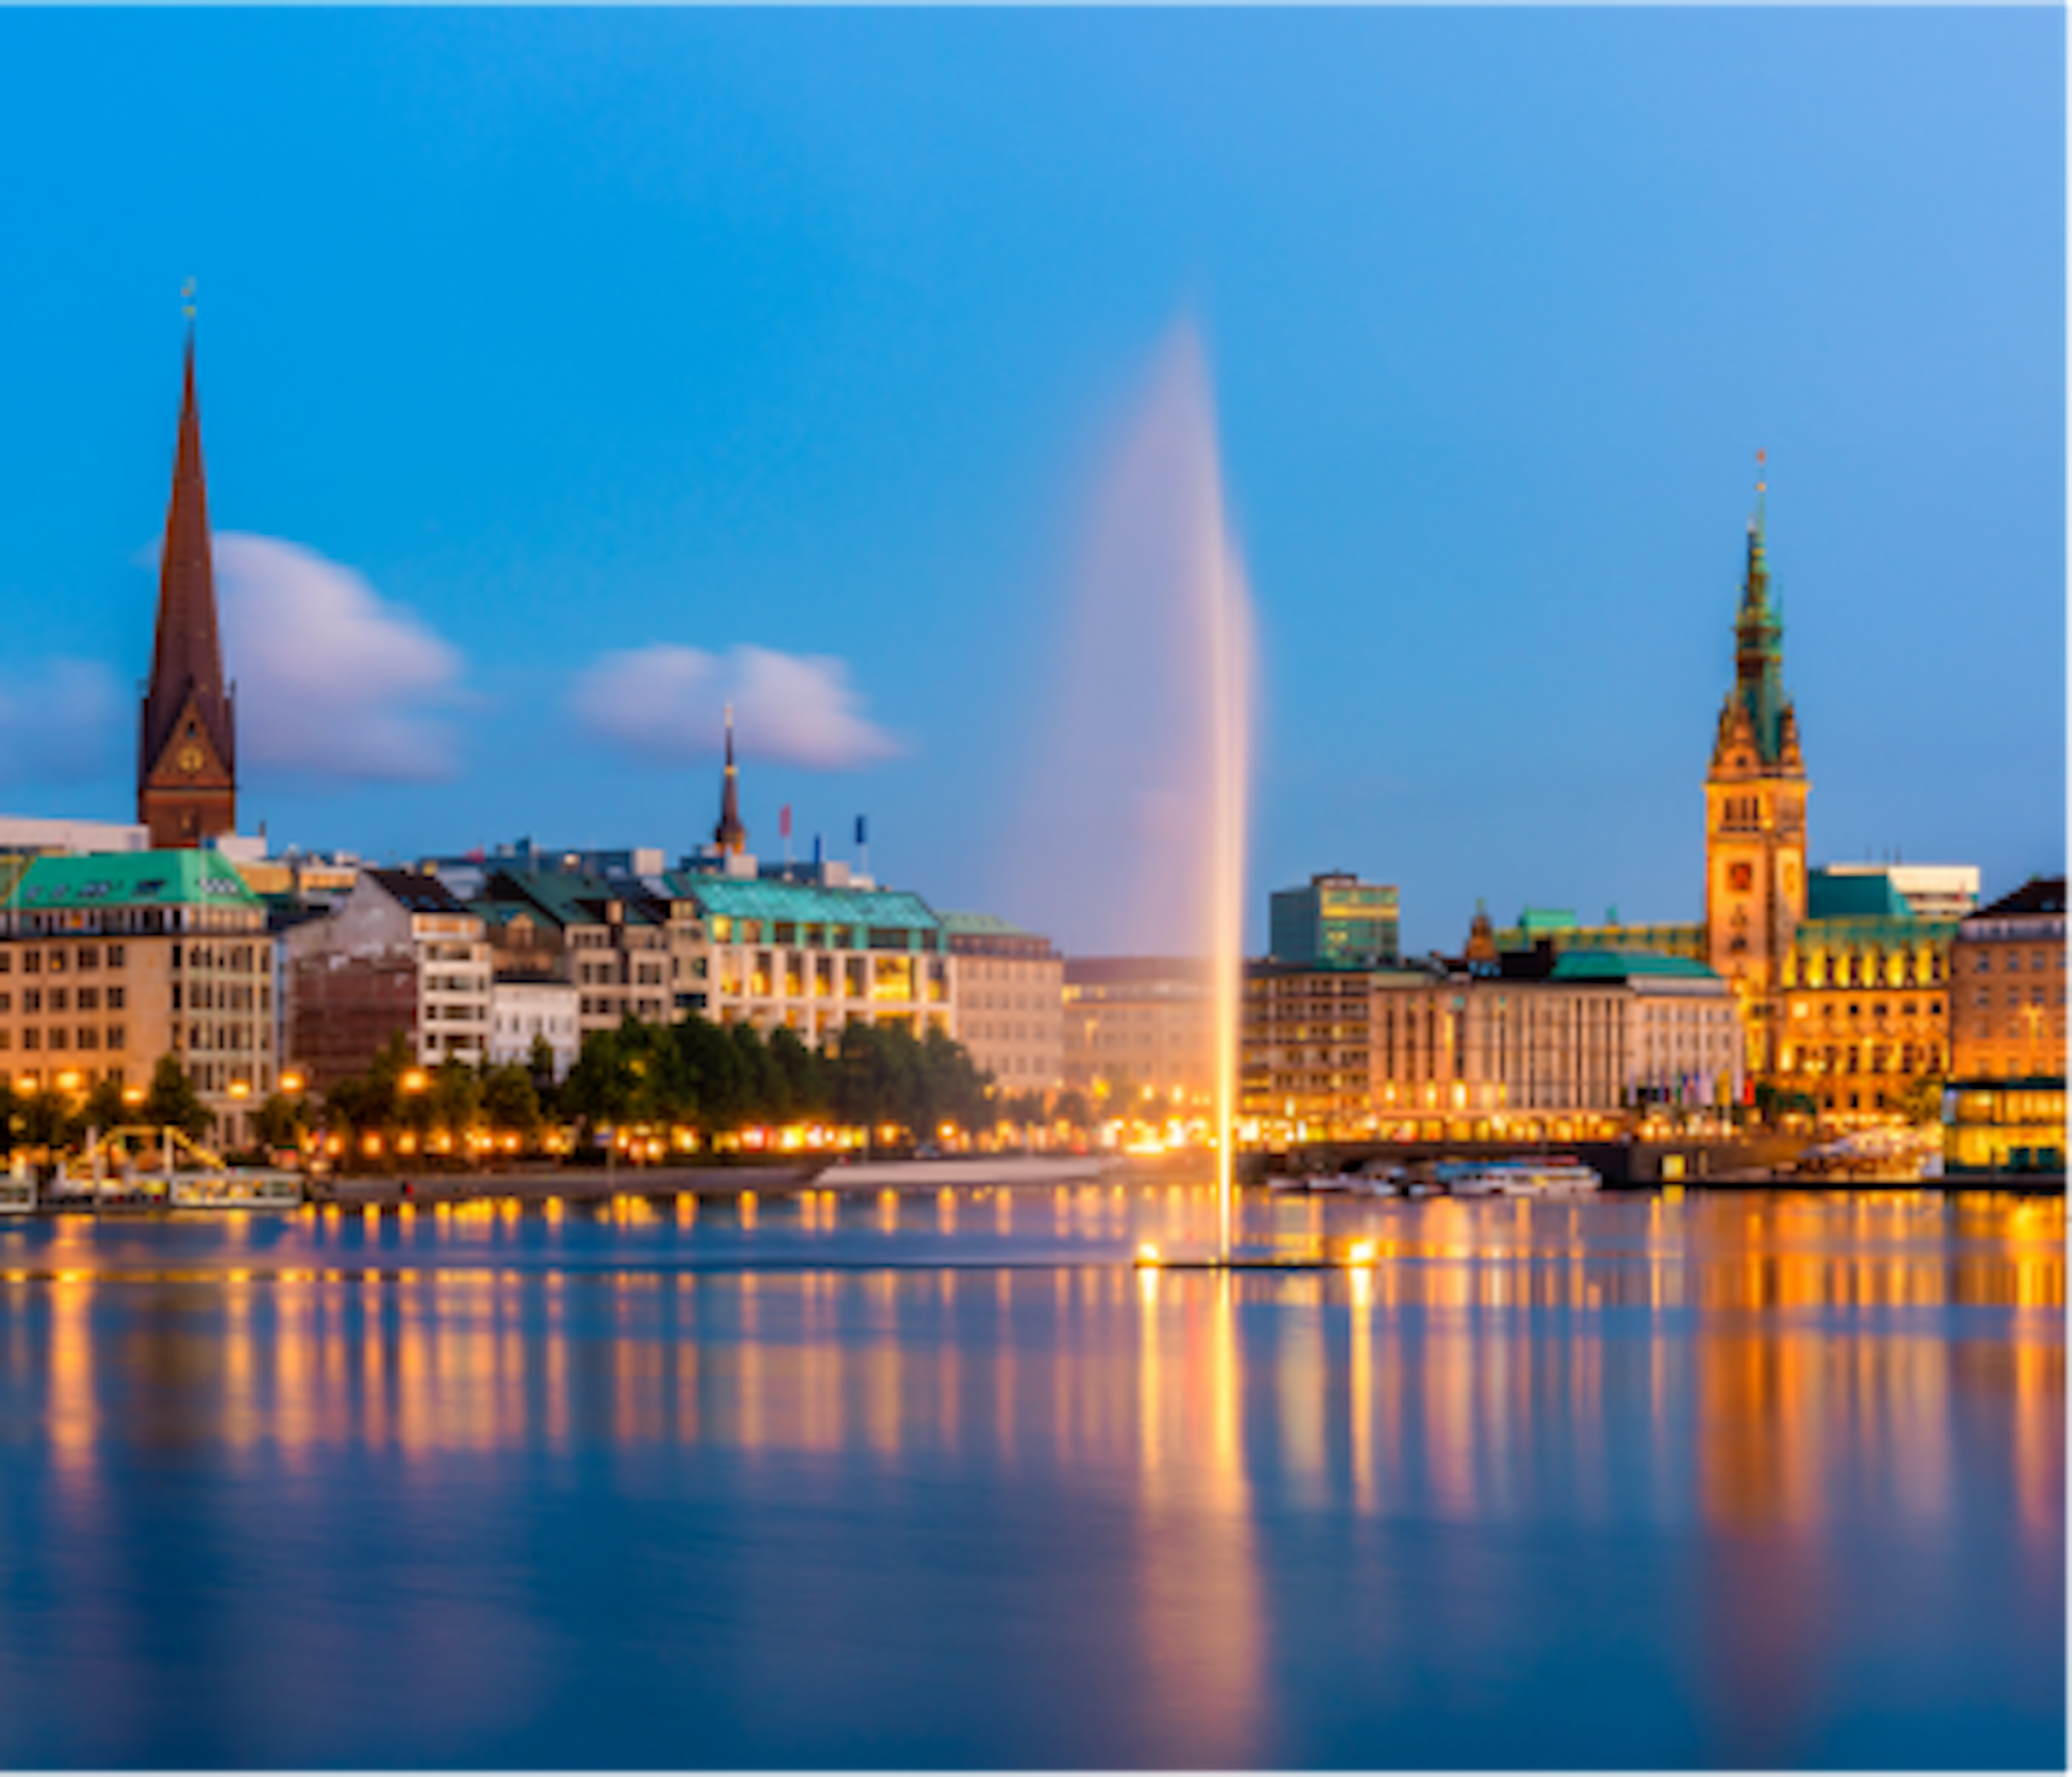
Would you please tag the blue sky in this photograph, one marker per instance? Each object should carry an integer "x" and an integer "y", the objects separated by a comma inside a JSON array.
[{"x": 551, "y": 360}]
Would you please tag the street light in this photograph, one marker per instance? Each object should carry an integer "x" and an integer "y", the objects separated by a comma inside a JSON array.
[{"x": 292, "y": 1082}]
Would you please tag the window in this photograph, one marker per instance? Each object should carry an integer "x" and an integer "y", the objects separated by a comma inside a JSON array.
[
  {"x": 32, "y": 962},
  {"x": 32, "y": 999},
  {"x": 115, "y": 956},
  {"x": 57, "y": 962},
  {"x": 115, "y": 1036},
  {"x": 57, "y": 1036},
  {"x": 32, "y": 1039},
  {"x": 88, "y": 1037},
  {"x": 89, "y": 956}
]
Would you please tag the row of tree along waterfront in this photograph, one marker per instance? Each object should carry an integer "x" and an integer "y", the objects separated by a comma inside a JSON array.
[{"x": 695, "y": 1082}]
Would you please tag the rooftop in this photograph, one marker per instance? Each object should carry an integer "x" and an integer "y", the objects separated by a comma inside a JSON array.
[
  {"x": 2039, "y": 894},
  {"x": 135, "y": 878},
  {"x": 1618, "y": 966},
  {"x": 805, "y": 903}
]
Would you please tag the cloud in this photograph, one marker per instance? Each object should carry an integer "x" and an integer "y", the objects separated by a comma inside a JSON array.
[
  {"x": 61, "y": 721},
  {"x": 664, "y": 703},
  {"x": 333, "y": 681}
]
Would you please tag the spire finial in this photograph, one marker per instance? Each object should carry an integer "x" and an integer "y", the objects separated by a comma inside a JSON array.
[
  {"x": 187, "y": 300},
  {"x": 1762, "y": 491}
]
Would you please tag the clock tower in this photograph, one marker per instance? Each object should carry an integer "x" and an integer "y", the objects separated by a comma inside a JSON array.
[
  {"x": 1755, "y": 810},
  {"x": 187, "y": 760}
]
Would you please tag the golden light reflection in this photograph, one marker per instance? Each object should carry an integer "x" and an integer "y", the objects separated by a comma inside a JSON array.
[{"x": 1777, "y": 1366}]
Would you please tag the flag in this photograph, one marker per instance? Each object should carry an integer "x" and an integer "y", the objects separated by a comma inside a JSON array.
[
  {"x": 862, "y": 830},
  {"x": 784, "y": 821}
]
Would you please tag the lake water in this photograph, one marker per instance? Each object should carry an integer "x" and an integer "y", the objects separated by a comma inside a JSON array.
[{"x": 1734, "y": 1479}]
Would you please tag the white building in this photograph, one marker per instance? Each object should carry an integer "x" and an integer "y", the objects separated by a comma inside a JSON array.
[
  {"x": 1009, "y": 993},
  {"x": 524, "y": 1011}
]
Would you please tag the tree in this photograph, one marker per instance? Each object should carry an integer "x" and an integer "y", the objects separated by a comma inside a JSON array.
[
  {"x": 805, "y": 1073},
  {"x": 171, "y": 1101},
  {"x": 1922, "y": 1101},
  {"x": 280, "y": 1121},
  {"x": 511, "y": 1102},
  {"x": 455, "y": 1097},
  {"x": 103, "y": 1110},
  {"x": 1072, "y": 1108}
]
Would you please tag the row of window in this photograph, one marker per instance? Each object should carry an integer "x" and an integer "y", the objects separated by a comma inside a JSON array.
[
  {"x": 58, "y": 1036},
  {"x": 2046, "y": 961},
  {"x": 59, "y": 957},
  {"x": 64, "y": 999}
]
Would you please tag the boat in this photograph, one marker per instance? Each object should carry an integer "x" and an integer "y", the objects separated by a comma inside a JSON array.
[
  {"x": 234, "y": 1189},
  {"x": 1522, "y": 1176},
  {"x": 17, "y": 1195}
]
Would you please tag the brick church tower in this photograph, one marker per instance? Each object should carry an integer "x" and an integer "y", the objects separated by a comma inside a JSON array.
[
  {"x": 1755, "y": 809},
  {"x": 186, "y": 760}
]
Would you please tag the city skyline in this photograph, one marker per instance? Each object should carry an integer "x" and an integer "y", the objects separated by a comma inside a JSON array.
[{"x": 1555, "y": 579}]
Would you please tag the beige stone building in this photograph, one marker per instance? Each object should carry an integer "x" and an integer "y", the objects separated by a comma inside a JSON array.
[
  {"x": 109, "y": 962},
  {"x": 2006, "y": 987},
  {"x": 1561, "y": 1047},
  {"x": 1140, "y": 1032},
  {"x": 1010, "y": 996}
]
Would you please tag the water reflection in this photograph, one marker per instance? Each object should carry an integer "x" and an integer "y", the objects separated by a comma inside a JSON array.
[{"x": 1779, "y": 1453}]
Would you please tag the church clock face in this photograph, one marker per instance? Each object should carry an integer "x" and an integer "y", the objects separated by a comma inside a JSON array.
[
  {"x": 1740, "y": 878},
  {"x": 189, "y": 759}
]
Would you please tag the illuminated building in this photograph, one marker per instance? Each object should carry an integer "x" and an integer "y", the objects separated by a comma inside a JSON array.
[
  {"x": 610, "y": 938},
  {"x": 2007, "y": 986},
  {"x": 109, "y": 962},
  {"x": 806, "y": 955},
  {"x": 1140, "y": 1031},
  {"x": 1010, "y": 1006},
  {"x": 1558, "y": 928},
  {"x": 1864, "y": 1001},
  {"x": 1526, "y": 1046},
  {"x": 1335, "y": 921}
]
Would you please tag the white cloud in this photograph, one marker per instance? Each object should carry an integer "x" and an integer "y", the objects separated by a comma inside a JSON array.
[
  {"x": 665, "y": 704},
  {"x": 60, "y": 722},
  {"x": 333, "y": 681}
]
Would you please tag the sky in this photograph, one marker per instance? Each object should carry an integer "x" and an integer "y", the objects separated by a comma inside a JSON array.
[{"x": 567, "y": 374}]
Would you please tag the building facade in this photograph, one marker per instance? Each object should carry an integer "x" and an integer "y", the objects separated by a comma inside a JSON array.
[
  {"x": 108, "y": 963},
  {"x": 186, "y": 757},
  {"x": 524, "y": 1012},
  {"x": 1009, "y": 991},
  {"x": 1536, "y": 1048},
  {"x": 1863, "y": 1003},
  {"x": 1140, "y": 1032},
  {"x": 1335, "y": 921},
  {"x": 399, "y": 957},
  {"x": 807, "y": 957},
  {"x": 608, "y": 938},
  {"x": 2006, "y": 987}
]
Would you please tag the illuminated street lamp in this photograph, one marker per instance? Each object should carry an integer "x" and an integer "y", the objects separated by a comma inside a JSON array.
[{"x": 292, "y": 1082}]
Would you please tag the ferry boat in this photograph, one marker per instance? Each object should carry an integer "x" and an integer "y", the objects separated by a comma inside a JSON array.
[
  {"x": 229, "y": 1190},
  {"x": 1525, "y": 1176}
]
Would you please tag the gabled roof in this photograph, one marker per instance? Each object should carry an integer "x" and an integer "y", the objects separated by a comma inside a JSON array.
[
  {"x": 2039, "y": 894},
  {"x": 198, "y": 878},
  {"x": 416, "y": 893},
  {"x": 572, "y": 897}
]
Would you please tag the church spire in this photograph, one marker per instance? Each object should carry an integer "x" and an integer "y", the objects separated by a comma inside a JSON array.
[
  {"x": 730, "y": 835},
  {"x": 187, "y": 739}
]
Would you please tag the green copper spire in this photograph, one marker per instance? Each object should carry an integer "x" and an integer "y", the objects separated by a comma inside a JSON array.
[{"x": 1759, "y": 639}]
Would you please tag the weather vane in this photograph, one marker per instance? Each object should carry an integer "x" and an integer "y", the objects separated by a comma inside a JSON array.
[
  {"x": 1762, "y": 484},
  {"x": 187, "y": 298}
]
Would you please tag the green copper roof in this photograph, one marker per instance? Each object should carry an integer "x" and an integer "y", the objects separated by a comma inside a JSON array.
[
  {"x": 1618, "y": 966},
  {"x": 807, "y": 904},
  {"x": 1853, "y": 896},
  {"x": 133, "y": 878}
]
